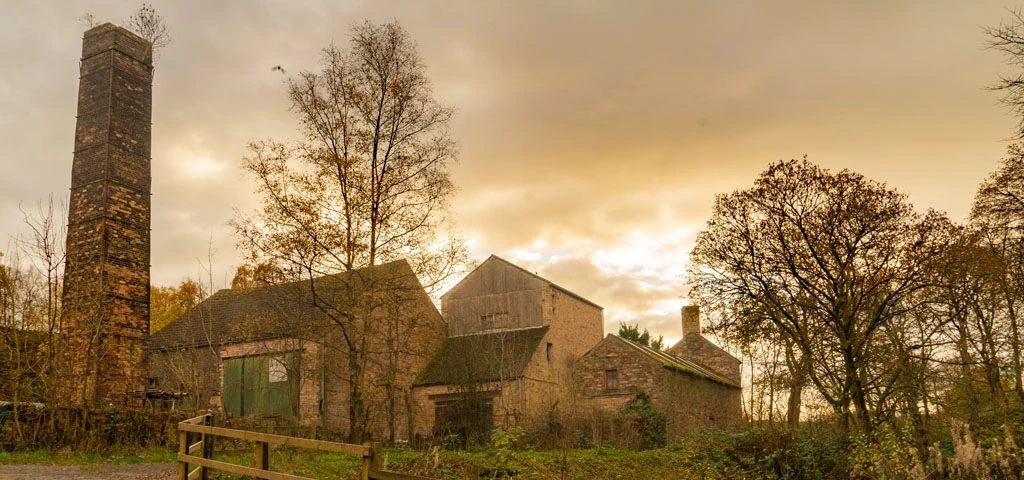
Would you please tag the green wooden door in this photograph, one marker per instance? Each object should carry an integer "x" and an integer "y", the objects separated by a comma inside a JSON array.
[
  {"x": 282, "y": 386},
  {"x": 266, "y": 384},
  {"x": 232, "y": 394}
]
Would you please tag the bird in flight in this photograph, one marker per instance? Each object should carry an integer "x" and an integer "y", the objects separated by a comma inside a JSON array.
[{"x": 278, "y": 67}]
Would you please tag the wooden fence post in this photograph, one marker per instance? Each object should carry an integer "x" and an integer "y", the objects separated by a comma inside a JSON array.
[
  {"x": 263, "y": 455},
  {"x": 207, "y": 446},
  {"x": 182, "y": 449},
  {"x": 376, "y": 456},
  {"x": 367, "y": 462}
]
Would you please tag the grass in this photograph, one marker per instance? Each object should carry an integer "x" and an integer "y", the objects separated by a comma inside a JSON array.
[
  {"x": 710, "y": 455},
  {"x": 492, "y": 463},
  {"x": 115, "y": 455},
  {"x": 483, "y": 463}
]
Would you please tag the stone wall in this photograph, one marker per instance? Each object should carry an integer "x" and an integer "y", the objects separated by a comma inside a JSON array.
[
  {"x": 397, "y": 326},
  {"x": 693, "y": 346},
  {"x": 106, "y": 284},
  {"x": 200, "y": 372},
  {"x": 690, "y": 401},
  {"x": 574, "y": 327}
]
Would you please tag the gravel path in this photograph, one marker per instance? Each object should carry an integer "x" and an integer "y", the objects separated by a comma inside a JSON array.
[{"x": 141, "y": 471}]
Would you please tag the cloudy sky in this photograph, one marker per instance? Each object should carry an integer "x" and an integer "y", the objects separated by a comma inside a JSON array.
[{"x": 593, "y": 134}]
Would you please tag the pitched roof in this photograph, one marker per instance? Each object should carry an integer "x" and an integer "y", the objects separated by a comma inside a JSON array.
[
  {"x": 274, "y": 311},
  {"x": 483, "y": 357},
  {"x": 679, "y": 364},
  {"x": 544, "y": 281},
  {"x": 699, "y": 342}
]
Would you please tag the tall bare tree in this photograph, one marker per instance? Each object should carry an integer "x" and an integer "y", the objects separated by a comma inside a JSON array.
[
  {"x": 998, "y": 212},
  {"x": 829, "y": 260},
  {"x": 1008, "y": 39},
  {"x": 367, "y": 183}
]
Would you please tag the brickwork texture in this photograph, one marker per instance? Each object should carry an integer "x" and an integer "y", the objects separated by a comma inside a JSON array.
[{"x": 106, "y": 282}]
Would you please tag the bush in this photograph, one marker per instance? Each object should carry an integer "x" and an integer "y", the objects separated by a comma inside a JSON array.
[
  {"x": 811, "y": 452},
  {"x": 645, "y": 422}
]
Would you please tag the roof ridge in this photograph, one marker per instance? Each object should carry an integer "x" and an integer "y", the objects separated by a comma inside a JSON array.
[
  {"x": 217, "y": 315},
  {"x": 679, "y": 362},
  {"x": 547, "y": 282}
]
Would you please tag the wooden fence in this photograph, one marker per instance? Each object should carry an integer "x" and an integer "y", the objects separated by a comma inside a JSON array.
[{"x": 196, "y": 435}]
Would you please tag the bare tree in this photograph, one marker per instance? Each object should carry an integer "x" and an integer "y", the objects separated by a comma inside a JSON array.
[
  {"x": 830, "y": 260},
  {"x": 46, "y": 249},
  {"x": 30, "y": 331},
  {"x": 1008, "y": 39},
  {"x": 149, "y": 25},
  {"x": 998, "y": 212},
  {"x": 146, "y": 23},
  {"x": 367, "y": 183}
]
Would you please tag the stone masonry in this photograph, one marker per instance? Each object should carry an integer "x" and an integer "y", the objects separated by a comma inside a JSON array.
[
  {"x": 106, "y": 280},
  {"x": 693, "y": 346}
]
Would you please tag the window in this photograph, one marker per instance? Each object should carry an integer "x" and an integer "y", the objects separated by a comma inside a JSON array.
[
  {"x": 278, "y": 372},
  {"x": 261, "y": 384},
  {"x": 549, "y": 351},
  {"x": 611, "y": 379},
  {"x": 493, "y": 321}
]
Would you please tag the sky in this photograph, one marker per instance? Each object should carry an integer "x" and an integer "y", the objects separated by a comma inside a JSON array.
[{"x": 593, "y": 135}]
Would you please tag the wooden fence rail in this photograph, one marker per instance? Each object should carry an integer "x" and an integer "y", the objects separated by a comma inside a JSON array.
[{"x": 196, "y": 435}]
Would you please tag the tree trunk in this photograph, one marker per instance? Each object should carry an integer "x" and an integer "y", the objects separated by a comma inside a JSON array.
[
  {"x": 798, "y": 378},
  {"x": 356, "y": 408},
  {"x": 1015, "y": 343},
  {"x": 965, "y": 369}
]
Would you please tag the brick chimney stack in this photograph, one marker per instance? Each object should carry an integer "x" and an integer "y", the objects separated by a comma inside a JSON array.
[
  {"x": 106, "y": 280},
  {"x": 691, "y": 321}
]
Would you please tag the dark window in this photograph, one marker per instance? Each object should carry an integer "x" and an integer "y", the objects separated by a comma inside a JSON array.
[
  {"x": 611, "y": 379},
  {"x": 466, "y": 421},
  {"x": 549, "y": 351},
  {"x": 493, "y": 321}
]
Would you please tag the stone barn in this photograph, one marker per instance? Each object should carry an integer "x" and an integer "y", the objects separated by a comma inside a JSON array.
[
  {"x": 312, "y": 353},
  {"x": 695, "y": 383},
  {"x": 512, "y": 340}
]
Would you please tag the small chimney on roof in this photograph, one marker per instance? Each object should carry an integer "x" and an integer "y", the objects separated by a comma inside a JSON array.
[{"x": 691, "y": 321}]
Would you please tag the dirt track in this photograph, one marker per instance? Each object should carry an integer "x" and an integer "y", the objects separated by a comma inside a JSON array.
[{"x": 142, "y": 471}]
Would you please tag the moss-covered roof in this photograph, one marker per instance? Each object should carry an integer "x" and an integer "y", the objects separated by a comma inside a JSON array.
[
  {"x": 679, "y": 364},
  {"x": 484, "y": 357},
  {"x": 275, "y": 311}
]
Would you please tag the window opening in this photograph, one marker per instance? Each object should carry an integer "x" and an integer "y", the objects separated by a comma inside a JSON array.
[{"x": 611, "y": 379}]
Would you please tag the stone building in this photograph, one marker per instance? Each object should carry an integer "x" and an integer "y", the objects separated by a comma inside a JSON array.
[
  {"x": 695, "y": 383},
  {"x": 106, "y": 280},
  {"x": 512, "y": 340},
  {"x": 291, "y": 353},
  {"x": 695, "y": 347}
]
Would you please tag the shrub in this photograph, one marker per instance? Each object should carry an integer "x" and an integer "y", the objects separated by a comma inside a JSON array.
[{"x": 643, "y": 420}]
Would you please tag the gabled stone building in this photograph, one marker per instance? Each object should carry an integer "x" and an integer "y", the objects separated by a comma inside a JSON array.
[
  {"x": 280, "y": 352},
  {"x": 512, "y": 340},
  {"x": 695, "y": 383},
  {"x": 697, "y": 348}
]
